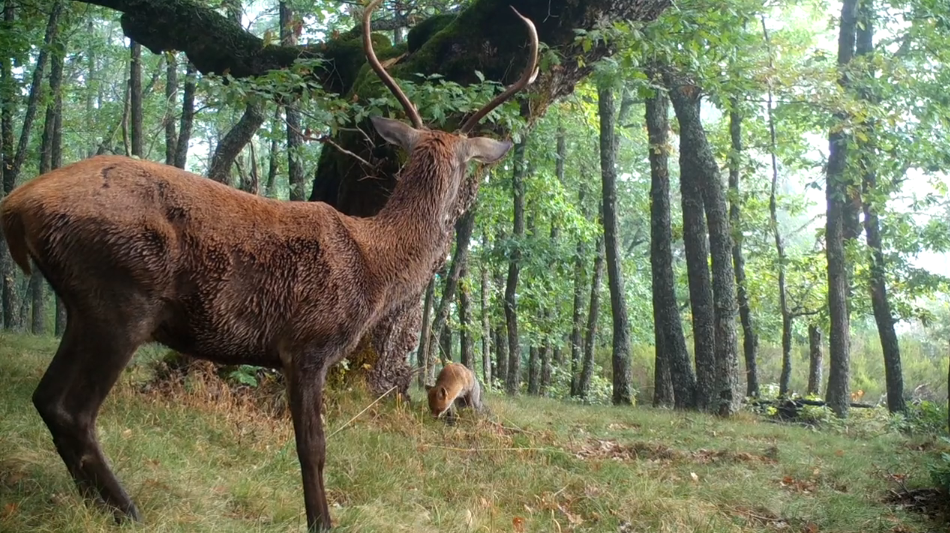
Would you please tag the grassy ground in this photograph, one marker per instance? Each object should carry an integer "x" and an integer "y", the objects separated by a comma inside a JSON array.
[{"x": 540, "y": 466}]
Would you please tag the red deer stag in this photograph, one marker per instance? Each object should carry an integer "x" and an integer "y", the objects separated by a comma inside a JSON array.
[{"x": 140, "y": 251}]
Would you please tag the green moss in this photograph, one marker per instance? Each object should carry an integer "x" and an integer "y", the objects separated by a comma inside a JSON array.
[{"x": 422, "y": 32}]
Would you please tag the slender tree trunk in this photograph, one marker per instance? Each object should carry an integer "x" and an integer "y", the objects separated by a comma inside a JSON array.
[
  {"x": 463, "y": 235},
  {"x": 750, "y": 340},
  {"x": 513, "y": 380},
  {"x": 466, "y": 342},
  {"x": 838, "y": 393},
  {"x": 577, "y": 317},
  {"x": 234, "y": 142},
  {"x": 47, "y": 146},
  {"x": 294, "y": 138},
  {"x": 422, "y": 351},
  {"x": 674, "y": 382},
  {"x": 864, "y": 47},
  {"x": 13, "y": 161},
  {"x": 273, "y": 164},
  {"x": 697, "y": 267},
  {"x": 171, "y": 94},
  {"x": 814, "y": 359},
  {"x": 534, "y": 372},
  {"x": 486, "y": 329},
  {"x": 593, "y": 312},
  {"x": 135, "y": 98},
  {"x": 786, "y": 375},
  {"x": 622, "y": 392},
  {"x": 187, "y": 116},
  {"x": 545, "y": 356},
  {"x": 56, "y": 161},
  {"x": 445, "y": 345}
]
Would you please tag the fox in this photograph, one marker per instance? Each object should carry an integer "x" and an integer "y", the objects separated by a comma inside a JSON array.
[{"x": 456, "y": 385}]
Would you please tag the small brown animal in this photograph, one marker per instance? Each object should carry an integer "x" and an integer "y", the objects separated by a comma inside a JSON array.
[
  {"x": 456, "y": 385},
  {"x": 138, "y": 252}
]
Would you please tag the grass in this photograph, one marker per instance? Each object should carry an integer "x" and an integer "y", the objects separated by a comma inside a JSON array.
[{"x": 538, "y": 465}]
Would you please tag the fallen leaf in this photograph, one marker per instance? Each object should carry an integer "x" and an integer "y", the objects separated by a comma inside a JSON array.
[
  {"x": 518, "y": 524},
  {"x": 9, "y": 509},
  {"x": 694, "y": 476}
]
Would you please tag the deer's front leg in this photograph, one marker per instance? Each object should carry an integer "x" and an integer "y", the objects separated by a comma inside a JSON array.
[{"x": 305, "y": 387}]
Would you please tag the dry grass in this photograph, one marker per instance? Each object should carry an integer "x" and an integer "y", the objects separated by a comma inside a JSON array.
[{"x": 197, "y": 457}]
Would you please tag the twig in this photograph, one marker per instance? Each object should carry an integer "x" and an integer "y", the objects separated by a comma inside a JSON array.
[
  {"x": 357, "y": 415},
  {"x": 474, "y": 450},
  {"x": 326, "y": 139}
]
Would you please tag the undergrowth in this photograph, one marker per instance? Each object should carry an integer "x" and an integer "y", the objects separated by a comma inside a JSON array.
[{"x": 198, "y": 456}]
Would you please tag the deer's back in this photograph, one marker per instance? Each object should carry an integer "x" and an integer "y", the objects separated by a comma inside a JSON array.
[{"x": 235, "y": 273}]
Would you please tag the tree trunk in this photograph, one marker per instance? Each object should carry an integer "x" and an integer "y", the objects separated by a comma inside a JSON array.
[
  {"x": 187, "y": 116},
  {"x": 534, "y": 372},
  {"x": 786, "y": 375},
  {"x": 466, "y": 342},
  {"x": 294, "y": 138},
  {"x": 486, "y": 329},
  {"x": 750, "y": 340},
  {"x": 463, "y": 236},
  {"x": 171, "y": 93},
  {"x": 593, "y": 312},
  {"x": 513, "y": 380},
  {"x": 814, "y": 359},
  {"x": 577, "y": 317},
  {"x": 234, "y": 142},
  {"x": 135, "y": 98},
  {"x": 622, "y": 394},
  {"x": 56, "y": 161},
  {"x": 838, "y": 394},
  {"x": 890, "y": 346},
  {"x": 674, "y": 382},
  {"x": 545, "y": 381},
  {"x": 421, "y": 359},
  {"x": 445, "y": 345},
  {"x": 697, "y": 253},
  {"x": 13, "y": 161}
]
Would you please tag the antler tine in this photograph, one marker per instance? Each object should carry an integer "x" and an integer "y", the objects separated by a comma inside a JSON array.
[
  {"x": 530, "y": 73},
  {"x": 381, "y": 72}
]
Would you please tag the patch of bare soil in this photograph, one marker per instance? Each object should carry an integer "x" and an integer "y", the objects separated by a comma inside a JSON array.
[
  {"x": 931, "y": 502},
  {"x": 652, "y": 451}
]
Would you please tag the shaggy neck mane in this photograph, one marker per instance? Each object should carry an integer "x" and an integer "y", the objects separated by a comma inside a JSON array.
[{"x": 407, "y": 232}]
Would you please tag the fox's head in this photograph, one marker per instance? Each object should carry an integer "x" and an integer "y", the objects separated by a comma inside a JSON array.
[{"x": 439, "y": 401}]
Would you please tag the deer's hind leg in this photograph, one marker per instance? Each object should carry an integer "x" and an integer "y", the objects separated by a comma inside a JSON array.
[{"x": 96, "y": 347}]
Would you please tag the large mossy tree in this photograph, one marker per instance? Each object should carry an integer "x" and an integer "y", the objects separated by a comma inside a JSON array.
[{"x": 484, "y": 36}]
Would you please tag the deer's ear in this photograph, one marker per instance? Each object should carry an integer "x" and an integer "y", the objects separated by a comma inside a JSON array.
[
  {"x": 485, "y": 150},
  {"x": 396, "y": 132}
]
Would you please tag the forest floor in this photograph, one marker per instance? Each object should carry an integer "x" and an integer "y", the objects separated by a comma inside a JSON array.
[{"x": 197, "y": 460}]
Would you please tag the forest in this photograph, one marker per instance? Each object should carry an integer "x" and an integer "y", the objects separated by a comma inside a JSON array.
[{"x": 730, "y": 210}]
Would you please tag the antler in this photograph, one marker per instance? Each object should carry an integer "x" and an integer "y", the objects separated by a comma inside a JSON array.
[
  {"x": 530, "y": 73},
  {"x": 381, "y": 72}
]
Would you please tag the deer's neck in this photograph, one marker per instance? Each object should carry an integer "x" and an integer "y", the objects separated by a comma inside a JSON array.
[{"x": 408, "y": 233}]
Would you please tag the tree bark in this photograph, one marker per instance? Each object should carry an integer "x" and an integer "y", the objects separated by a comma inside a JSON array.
[
  {"x": 814, "y": 359},
  {"x": 893, "y": 374},
  {"x": 187, "y": 116},
  {"x": 697, "y": 258},
  {"x": 838, "y": 393},
  {"x": 445, "y": 345},
  {"x": 577, "y": 318},
  {"x": 56, "y": 161},
  {"x": 513, "y": 380},
  {"x": 135, "y": 98},
  {"x": 234, "y": 142},
  {"x": 463, "y": 236},
  {"x": 534, "y": 372},
  {"x": 750, "y": 340},
  {"x": 421, "y": 353},
  {"x": 294, "y": 138},
  {"x": 697, "y": 161},
  {"x": 674, "y": 382},
  {"x": 545, "y": 380},
  {"x": 466, "y": 342},
  {"x": 13, "y": 161},
  {"x": 622, "y": 393},
  {"x": 593, "y": 313},
  {"x": 786, "y": 374},
  {"x": 171, "y": 94},
  {"x": 486, "y": 328}
]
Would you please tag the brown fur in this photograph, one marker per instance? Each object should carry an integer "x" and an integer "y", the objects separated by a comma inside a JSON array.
[
  {"x": 139, "y": 251},
  {"x": 457, "y": 385}
]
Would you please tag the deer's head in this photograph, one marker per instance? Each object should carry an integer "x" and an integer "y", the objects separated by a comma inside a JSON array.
[{"x": 450, "y": 151}]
